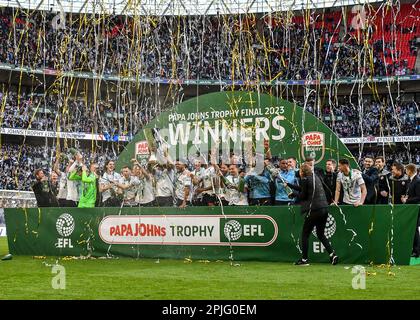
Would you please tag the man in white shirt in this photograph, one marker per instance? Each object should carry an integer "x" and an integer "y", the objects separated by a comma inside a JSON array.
[
  {"x": 196, "y": 176},
  {"x": 108, "y": 187},
  {"x": 73, "y": 186},
  {"x": 128, "y": 185},
  {"x": 208, "y": 186},
  {"x": 164, "y": 177},
  {"x": 223, "y": 172},
  {"x": 235, "y": 188},
  {"x": 62, "y": 185},
  {"x": 145, "y": 194},
  {"x": 183, "y": 185},
  {"x": 352, "y": 183}
]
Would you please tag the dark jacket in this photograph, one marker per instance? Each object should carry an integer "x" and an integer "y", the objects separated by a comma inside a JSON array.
[
  {"x": 399, "y": 187},
  {"x": 414, "y": 191},
  {"x": 329, "y": 181},
  {"x": 311, "y": 195},
  {"x": 44, "y": 194},
  {"x": 371, "y": 179},
  {"x": 383, "y": 185}
]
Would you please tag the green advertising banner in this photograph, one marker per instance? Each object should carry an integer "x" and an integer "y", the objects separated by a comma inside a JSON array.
[
  {"x": 377, "y": 234},
  {"x": 238, "y": 121}
]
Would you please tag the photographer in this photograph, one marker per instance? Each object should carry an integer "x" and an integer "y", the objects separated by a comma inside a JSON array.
[{"x": 384, "y": 177}]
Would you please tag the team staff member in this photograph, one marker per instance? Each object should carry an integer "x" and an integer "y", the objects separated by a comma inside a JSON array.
[
  {"x": 329, "y": 180},
  {"x": 413, "y": 192},
  {"x": 314, "y": 207},
  {"x": 43, "y": 190},
  {"x": 397, "y": 185},
  {"x": 383, "y": 181},
  {"x": 370, "y": 177},
  {"x": 413, "y": 197}
]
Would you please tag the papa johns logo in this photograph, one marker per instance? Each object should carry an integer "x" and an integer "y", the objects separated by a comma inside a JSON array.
[
  {"x": 330, "y": 227},
  {"x": 233, "y": 230},
  {"x": 65, "y": 225}
]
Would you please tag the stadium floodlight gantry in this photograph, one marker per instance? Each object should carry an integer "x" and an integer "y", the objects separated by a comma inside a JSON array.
[{"x": 178, "y": 7}]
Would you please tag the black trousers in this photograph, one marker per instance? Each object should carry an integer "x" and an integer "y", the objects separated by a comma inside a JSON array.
[
  {"x": 66, "y": 203},
  {"x": 260, "y": 202},
  {"x": 164, "y": 201},
  {"x": 416, "y": 242},
  {"x": 179, "y": 202},
  {"x": 318, "y": 219},
  {"x": 282, "y": 203},
  {"x": 111, "y": 202},
  {"x": 71, "y": 203}
]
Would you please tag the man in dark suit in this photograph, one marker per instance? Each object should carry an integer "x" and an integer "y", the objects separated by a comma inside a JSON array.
[
  {"x": 383, "y": 181},
  {"x": 370, "y": 175},
  {"x": 413, "y": 197},
  {"x": 329, "y": 180},
  {"x": 43, "y": 190},
  {"x": 398, "y": 184}
]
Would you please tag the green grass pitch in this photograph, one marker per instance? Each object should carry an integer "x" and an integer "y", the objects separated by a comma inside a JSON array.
[{"x": 29, "y": 278}]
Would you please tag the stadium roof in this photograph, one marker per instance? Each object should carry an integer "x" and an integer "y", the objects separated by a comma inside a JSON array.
[{"x": 177, "y": 7}]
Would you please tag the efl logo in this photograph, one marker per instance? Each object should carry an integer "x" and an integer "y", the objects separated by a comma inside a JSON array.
[
  {"x": 330, "y": 228},
  {"x": 233, "y": 230},
  {"x": 65, "y": 227}
]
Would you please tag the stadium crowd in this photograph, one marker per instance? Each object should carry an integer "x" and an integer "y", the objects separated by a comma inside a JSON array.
[
  {"x": 36, "y": 112},
  {"x": 39, "y": 112},
  {"x": 198, "y": 47},
  {"x": 18, "y": 162}
]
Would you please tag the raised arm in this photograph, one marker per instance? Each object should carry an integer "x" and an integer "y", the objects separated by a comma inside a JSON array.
[{"x": 88, "y": 179}]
